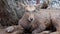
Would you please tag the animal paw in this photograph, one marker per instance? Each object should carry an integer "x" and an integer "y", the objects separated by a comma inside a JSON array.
[{"x": 9, "y": 29}]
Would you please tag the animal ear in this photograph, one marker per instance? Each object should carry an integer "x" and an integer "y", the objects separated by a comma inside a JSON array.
[
  {"x": 38, "y": 6},
  {"x": 21, "y": 5}
]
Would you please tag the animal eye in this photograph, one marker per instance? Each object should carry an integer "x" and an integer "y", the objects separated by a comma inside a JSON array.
[
  {"x": 27, "y": 11},
  {"x": 34, "y": 11}
]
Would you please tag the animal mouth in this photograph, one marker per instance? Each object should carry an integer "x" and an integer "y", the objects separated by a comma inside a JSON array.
[{"x": 30, "y": 20}]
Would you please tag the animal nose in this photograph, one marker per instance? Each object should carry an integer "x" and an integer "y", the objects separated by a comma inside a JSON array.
[{"x": 31, "y": 19}]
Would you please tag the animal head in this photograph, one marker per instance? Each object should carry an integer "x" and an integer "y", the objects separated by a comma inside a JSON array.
[{"x": 30, "y": 11}]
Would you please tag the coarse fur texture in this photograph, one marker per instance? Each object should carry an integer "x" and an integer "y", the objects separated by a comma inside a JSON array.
[{"x": 38, "y": 20}]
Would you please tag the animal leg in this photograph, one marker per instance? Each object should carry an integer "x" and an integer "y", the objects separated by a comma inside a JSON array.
[{"x": 13, "y": 28}]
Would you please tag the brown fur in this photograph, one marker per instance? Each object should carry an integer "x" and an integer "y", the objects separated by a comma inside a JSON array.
[
  {"x": 40, "y": 19},
  {"x": 45, "y": 32}
]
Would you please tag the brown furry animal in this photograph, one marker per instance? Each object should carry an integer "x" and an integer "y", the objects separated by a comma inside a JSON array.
[{"x": 38, "y": 20}]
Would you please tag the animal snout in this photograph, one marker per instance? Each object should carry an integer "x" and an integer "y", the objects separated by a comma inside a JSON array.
[{"x": 30, "y": 19}]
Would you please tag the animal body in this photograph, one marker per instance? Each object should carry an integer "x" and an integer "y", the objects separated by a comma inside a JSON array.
[{"x": 37, "y": 21}]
